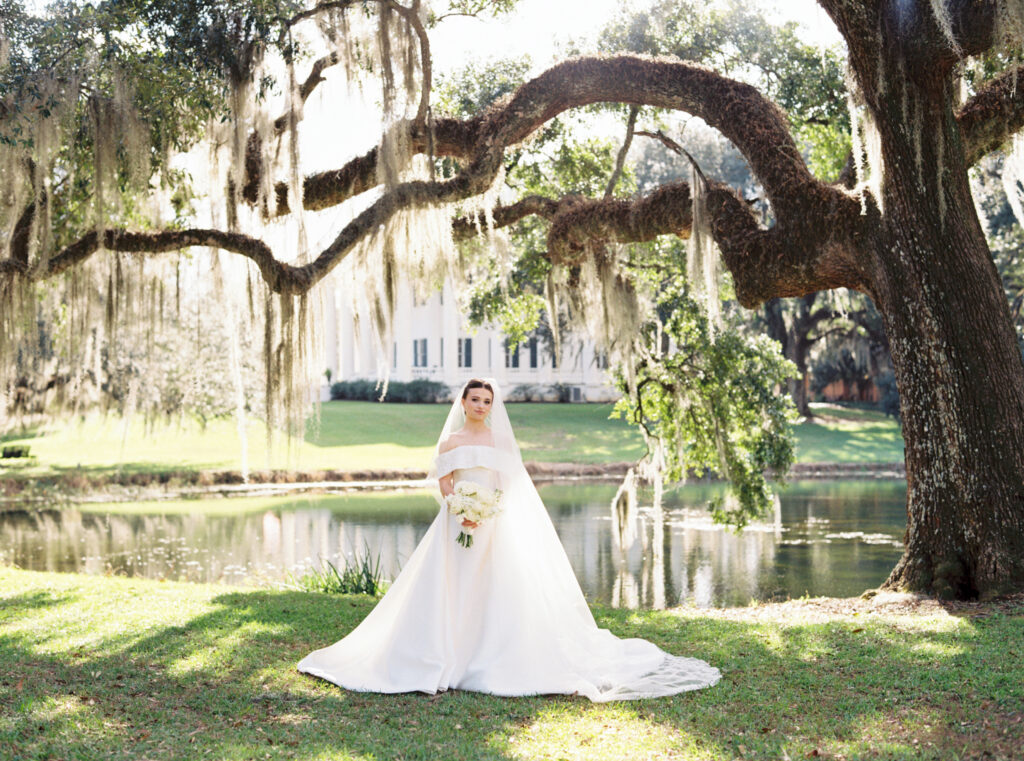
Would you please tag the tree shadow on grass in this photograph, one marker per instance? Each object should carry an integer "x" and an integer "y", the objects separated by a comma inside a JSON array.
[{"x": 222, "y": 684}]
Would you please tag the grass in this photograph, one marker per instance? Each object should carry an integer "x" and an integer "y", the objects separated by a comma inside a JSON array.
[
  {"x": 366, "y": 436},
  {"x": 113, "y": 668},
  {"x": 848, "y": 434},
  {"x": 360, "y": 576},
  {"x": 349, "y": 436}
]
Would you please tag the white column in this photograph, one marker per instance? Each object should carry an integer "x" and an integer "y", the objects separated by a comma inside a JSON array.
[
  {"x": 451, "y": 322},
  {"x": 403, "y": 336}
]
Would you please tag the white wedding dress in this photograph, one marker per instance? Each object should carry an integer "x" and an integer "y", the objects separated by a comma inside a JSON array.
[{"x": 505, "y": 616}]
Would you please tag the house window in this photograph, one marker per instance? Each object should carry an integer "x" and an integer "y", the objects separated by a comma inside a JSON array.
[
  {"x": 465, "y": 352},
  {"x": 442, "y": 353},
  {"x": 601, "y": 360},
  {"x": 511, "y": 354},
  {"x": 490, "y": 364},
  {"x": 394, "y": 355},
  {"x": 533, "y": 353},
  {"x": 419, "y": 352}
]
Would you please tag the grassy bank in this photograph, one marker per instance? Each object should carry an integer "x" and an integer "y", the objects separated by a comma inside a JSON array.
[
  {"x": 362, "y": 436},
  {"x": 113, "y": 668},
  {"x": 349, "y": 436}
]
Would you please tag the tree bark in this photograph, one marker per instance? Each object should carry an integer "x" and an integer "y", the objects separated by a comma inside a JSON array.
[
  {"x": 794, "y": 348},
  {"x": 958, "y": 367}
]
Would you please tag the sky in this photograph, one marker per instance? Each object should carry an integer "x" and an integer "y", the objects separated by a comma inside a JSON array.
[{"x": 540, "y": 27}]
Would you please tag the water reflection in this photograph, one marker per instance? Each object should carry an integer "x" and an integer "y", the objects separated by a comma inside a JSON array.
[{"x": 826, "y": 538}]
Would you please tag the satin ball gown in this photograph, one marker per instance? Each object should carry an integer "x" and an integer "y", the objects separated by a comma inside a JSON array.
[{"x": 505, "y": 616}]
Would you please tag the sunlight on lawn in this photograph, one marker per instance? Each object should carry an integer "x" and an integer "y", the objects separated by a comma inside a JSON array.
[
  {"x": 117, "y": 668},
  {"x": 598, "y": 731},
  {"x": 221, "y": 648}
]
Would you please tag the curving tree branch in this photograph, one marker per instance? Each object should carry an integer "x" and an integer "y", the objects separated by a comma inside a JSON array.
[
  {"x": 582, "y": 223},
  {"x": 451, "y": 137},
  {"x": 995, "y": 113},
  {"x": 752, "y": 123},
  {"x": 787, "y": 258},
  {"x": 465, "y": 228}
]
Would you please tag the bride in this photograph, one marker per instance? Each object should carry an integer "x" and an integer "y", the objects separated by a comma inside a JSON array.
[{"x": 504, "y": 616}]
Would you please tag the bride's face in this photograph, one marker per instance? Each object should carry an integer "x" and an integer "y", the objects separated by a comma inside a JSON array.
[{"x": 477, "y": 404}]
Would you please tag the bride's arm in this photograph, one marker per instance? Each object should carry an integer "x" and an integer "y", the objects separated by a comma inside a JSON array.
[{"x": 447, "y": 484}]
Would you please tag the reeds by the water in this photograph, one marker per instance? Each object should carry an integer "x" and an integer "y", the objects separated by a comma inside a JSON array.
[{"x": 360, "y": 574}]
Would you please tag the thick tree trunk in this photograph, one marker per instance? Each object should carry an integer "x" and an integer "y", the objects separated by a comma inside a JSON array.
[
  {"x": 798, "y": 385},
  {"x": 794, "y": 348},
  {"x": 958, "y": 367}
]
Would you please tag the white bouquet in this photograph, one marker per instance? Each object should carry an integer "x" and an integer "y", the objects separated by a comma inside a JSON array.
[{"x": 475, "y": 503}]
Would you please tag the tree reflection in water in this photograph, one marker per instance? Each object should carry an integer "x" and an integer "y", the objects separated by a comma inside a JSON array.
[{"x": 833, "y": 538}]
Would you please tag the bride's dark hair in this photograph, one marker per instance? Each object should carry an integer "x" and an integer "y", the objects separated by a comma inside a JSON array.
[{"x": 476, "y": 383}]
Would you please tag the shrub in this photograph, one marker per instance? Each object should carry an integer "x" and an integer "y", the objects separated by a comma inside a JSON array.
[
  {"x": 562, "y": 392},
  {"x": 415, "y": 392},
  {"x": 418, "y": 391},
  {"x": 360, "y": 390},
  {"x": 525, "y": 392}
]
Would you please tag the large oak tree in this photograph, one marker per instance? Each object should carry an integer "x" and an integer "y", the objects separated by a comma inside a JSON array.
[{"x": 900, "y": 226}]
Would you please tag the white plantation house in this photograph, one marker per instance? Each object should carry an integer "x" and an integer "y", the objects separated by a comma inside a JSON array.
[{"x": 432, "y": 341}]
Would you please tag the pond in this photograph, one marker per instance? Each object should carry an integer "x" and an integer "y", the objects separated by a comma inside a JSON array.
[{"x": 832, "y": 538}]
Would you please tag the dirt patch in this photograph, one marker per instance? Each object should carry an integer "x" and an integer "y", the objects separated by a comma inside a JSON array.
[{"x": 822, "y": 609}]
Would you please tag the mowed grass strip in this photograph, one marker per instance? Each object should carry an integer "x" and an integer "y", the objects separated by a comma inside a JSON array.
[
  {"x": 114, "y": 668},
  {"x": 348, "y": 436},
  {"x": 366, "y": 436}
]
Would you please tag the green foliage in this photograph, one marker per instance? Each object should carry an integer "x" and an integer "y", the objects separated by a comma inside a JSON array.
[
  {"x": 711, "y": 402},
  {"x": 735, "y": 39},
  {"x": 473, "y": 8},
  {"x": 360, "y": 575},
  {"x": 475, "y": 87},
  {"x": 418, "y": 391},
  {"x": 519, "y": 316},
  {"x": 826, "y": 148},
  {"x": 536, "y": 392},
  {"x": 572, "y": 167},
  {"x": 840, "y": 365},
  {"x": 161, "y": 69}
]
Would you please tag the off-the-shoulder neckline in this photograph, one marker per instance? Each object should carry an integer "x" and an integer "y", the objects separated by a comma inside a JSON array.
[{"x": 469, "y": 446}]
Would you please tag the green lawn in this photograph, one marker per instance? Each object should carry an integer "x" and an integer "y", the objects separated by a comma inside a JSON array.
[
  {"x": 370, "y": 436},
  {"x": 114, "y": 668},
  {"x": 848, "y": 434},
  {"x": 348, "y": 436}
]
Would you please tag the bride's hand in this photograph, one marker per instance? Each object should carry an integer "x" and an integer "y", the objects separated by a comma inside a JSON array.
[{"x": 468, "y": 523}]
